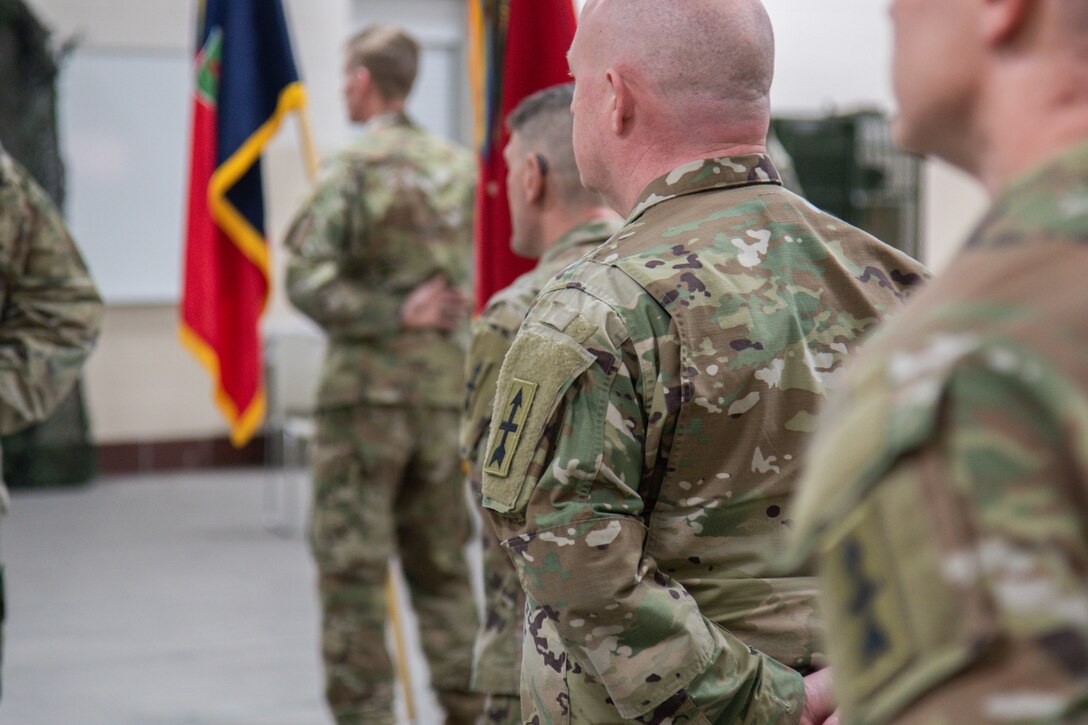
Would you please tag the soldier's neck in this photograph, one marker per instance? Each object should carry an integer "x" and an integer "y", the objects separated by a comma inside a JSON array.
[
  {"x": 556, "y": 225},
  {"x": 652, "y": 166},
  {"x": 379, "y": 106},
  {"x": 1026, "y": 120}
]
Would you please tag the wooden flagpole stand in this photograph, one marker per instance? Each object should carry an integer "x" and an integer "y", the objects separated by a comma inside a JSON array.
[{"x": 309, "y": 153}]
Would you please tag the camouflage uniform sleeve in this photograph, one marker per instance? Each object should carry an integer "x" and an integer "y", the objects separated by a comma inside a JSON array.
[
  {"x": 51, "y": 311},
  {"x": 565, "y": 459},
  {"x": 492, "y": 334},
  {"x": 955, "y": 590},
  {"x": 326, "y": 275}
]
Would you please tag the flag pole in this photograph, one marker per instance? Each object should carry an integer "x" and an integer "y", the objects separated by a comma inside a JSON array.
[
  {"x": 399, "y": 645},
  {"x": 309, "y": 149},
  {"x": 309, "y": 157}
]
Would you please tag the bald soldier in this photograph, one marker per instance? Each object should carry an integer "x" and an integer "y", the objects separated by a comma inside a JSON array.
[
  {"x": 947, "y": 499},
  {"x": 555, "y": 220},
  {"x": 654, "y": 407}
]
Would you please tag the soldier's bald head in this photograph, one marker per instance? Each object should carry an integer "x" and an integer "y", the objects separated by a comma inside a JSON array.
[
  {"x": 699, "y": 54},
  {"x": 662, "y": 83}
]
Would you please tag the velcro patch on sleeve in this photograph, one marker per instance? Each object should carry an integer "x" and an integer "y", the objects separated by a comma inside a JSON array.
[
  {"x": 485, "y": 357},
  {"x": 904, "y": 611},
  {"x": 864, "y": 604},
  {"x": 540, "y": 367},
  {"x": 518, "y": 402}
]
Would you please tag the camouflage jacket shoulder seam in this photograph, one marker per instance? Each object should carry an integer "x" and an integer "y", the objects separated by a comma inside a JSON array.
[
  {"x": 580, "y": 285},
  {"x": 647, "y": 373},
  {"x": 914, "y": 417}
]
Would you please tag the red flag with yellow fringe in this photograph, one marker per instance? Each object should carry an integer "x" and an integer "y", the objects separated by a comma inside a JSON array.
[
  {"x": 246, "y": 82},
  {"x": 518, "y": 47}
]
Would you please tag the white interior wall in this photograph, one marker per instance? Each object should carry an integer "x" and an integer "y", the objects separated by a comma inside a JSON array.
[
  {"x": 830, "y": 55},
  {"x": 142, "y": 385}
]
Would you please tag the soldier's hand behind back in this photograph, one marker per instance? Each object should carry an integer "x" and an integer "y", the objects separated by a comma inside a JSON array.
[
  {"x": 435, "y": 305},
  {"x": 819, "y": 700}
]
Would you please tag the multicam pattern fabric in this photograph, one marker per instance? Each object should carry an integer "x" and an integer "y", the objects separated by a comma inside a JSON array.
[
  {"x": 385, "y": 482},
  {"x": 947, "y": 499},
  {"x": 648, "y": 430},
  {"x": 389, "y": 213},
  {"x": 51, "y": 311},
  {"x": 496, "y": 666}
]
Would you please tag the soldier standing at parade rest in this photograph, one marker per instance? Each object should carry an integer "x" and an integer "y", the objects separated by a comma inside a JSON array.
[
  {"x": 51, "y": 312},
  {"x": 555, "y": 220},
  {"x": 379, "y": 257},
  {"x": 946, "y": 501},
  {"x": 653, "y": 410}
]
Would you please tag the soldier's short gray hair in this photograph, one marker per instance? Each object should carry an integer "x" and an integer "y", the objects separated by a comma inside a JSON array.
[
  {"x": 391, "y": 56},
  {"x": 545, "y": 125}
]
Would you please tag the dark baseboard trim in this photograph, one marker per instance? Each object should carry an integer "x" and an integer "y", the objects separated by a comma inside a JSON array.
[{"x": 183, "y": 455}]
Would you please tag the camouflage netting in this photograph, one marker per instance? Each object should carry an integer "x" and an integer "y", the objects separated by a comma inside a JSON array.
[{"x": 57, "y": 451}]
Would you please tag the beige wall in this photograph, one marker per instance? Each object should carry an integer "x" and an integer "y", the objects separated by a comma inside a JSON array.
[
  {"x": 142, "y": 385},
  {"x": 952, "y": 204}
]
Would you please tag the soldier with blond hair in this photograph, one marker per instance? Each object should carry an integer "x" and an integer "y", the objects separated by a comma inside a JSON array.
[{"x": 379, "y": 257}]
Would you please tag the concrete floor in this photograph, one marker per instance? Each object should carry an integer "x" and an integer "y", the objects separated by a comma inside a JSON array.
[{"x": 164, "y": 601}]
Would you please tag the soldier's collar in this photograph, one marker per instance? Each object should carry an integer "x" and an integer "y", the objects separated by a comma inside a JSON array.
[
  {"x": 385, "y": 120},
  {"x": 594, "y": 230},
  {"x": 1049, "y": 202},
  {"x": 707, "y": 174}
]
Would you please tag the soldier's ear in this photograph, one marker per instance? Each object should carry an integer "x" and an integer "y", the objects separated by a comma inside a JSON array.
[
  {"x": 1004, "y": 20},
  {"x": 622, "y": 106},
  {"x": 535, "y": 173},
  {"x": 362, "y": 78}
]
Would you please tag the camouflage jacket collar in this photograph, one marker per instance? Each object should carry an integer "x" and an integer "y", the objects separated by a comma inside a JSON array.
[
  {"x": 720, "y": 173},
  {"x": 388, "y": 120},
  {"x": 1049, "y": 203},
  {"x": 594, "y": 231}
]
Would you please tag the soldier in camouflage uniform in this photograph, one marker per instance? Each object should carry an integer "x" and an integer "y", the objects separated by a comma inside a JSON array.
[
  {"x": 652, "y": 411},
  {"x": 946, "y": 502},
  {"x": 379, "y": 257},
  {"x": 51, "y": 311},
  {"x": 556, "y": 220}
]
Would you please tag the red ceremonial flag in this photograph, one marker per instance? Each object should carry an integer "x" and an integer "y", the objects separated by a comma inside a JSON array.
[
  {"x": 246, "y": 82},
  {"x": 518, "y": 48}
]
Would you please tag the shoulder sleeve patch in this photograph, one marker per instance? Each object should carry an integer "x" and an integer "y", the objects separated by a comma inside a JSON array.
[
  {"x": 904, "y": 604},
  {"x": 864, "y": 604},
  {"x": 540, "y": 367},
  {"x": 518, "y": 402},
  {"x": 485, "y": 356}
]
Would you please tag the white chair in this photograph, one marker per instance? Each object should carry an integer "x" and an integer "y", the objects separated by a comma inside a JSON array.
[{"x": 293, "y": 357}]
